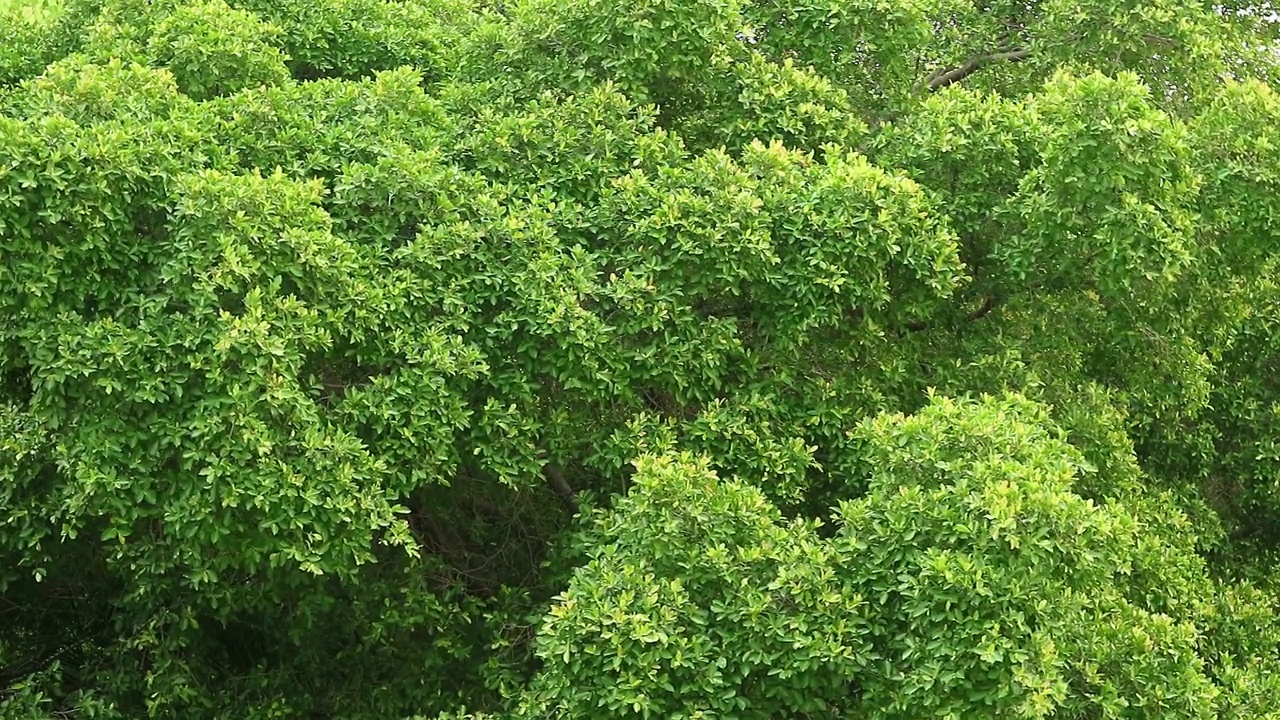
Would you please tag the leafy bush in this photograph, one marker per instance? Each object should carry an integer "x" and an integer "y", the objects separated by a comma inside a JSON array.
[{"x": 970, "y": 579}]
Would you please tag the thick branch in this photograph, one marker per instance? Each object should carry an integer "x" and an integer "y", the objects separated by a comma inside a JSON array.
[
  {"x": 561, "y": 486},
  {"x": 973, "y": 65},
  {"x": 989, "y": 303}
]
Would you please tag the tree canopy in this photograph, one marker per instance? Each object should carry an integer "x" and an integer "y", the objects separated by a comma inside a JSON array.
[{"x": 719, "y": 359}]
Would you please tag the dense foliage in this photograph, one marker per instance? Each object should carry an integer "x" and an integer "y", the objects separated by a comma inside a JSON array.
[{"x": 729, "y": 359}]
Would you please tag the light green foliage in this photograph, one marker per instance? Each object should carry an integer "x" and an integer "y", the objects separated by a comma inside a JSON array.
[
  {"x": 214, "y": 49},
  {"x": 698, "y": 603},
  {"x": 1012, "y": 592},
  {"x": 33, "y": 32},
  {"x": 674, "y": 358},
  {"x": 356, "y": 38},
  {"x": 858, "y": 44},
  {"x": 970, "y": 579}
]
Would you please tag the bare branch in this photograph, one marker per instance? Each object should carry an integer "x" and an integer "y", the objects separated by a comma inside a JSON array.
[{"x": 944, "y": 78}]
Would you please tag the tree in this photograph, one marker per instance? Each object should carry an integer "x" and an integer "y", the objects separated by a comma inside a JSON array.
[
  {"x": 716, "y": 358},
  {"x": 969, "y": 580}
]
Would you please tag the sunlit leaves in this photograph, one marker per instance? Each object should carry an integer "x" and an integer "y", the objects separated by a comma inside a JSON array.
[
  {"x": 331, "y": 331},
  {"x": 970, "y": 579},
  {"x": 697, "y": 602}
]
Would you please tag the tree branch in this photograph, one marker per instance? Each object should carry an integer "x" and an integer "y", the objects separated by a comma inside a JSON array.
[
  {"x": 561, "y": 486},
  {"x": 954, "y": 75},
  {"x": 989, "y": 303}
]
